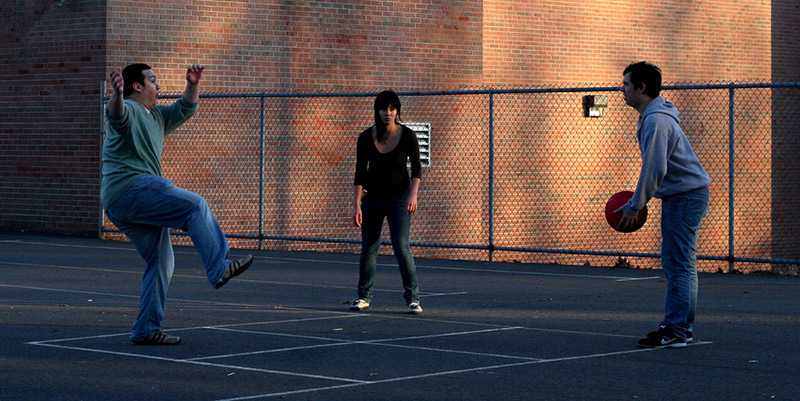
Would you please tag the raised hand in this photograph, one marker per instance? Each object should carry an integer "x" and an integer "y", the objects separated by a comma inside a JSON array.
[
  {"x": 117, "y": 83},
  {"x": 116, "y": 106},
  {"x": 194, "y": 73}
]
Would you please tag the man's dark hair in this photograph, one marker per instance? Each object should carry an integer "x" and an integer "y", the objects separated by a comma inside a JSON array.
[
  {"x": 133, "y": 73},
  {"x": 645, "y": 73}
]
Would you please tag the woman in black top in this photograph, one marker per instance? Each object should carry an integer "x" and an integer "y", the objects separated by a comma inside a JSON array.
[{"x": 383, "y": 189}]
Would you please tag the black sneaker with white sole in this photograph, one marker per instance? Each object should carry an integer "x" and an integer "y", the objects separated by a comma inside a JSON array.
[
  {"x": 689, "y": 336},
  {"x": 414, "y": 308},
  {"x": 663, "y": 338},
  {"x": 157, "y": 337}
]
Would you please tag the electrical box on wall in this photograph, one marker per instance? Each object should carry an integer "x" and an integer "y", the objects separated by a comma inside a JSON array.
[{"x": 594, "y": 105}]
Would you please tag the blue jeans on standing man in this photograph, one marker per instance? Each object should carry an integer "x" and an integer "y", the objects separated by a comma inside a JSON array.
[
  {"x": 145, "y": 212},
  {"x": 374, "y": 208},
  {"x": 681, "y": 215}
]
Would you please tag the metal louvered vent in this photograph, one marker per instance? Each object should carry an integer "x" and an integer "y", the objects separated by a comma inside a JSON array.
[{"x": 423, "y": 131}]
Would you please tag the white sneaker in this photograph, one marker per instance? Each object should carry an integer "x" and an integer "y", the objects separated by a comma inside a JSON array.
[
  {"x": 359, "y": 305},
  {"x": 414, "y": 308}
]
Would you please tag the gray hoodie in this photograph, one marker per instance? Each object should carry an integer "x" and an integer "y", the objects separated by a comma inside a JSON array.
[{"x": 669, "y": 165}]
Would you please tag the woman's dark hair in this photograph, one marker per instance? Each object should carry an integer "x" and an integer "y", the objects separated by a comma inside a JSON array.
[
  {"x": 383, "y": 100},
  {"x": 133, "y": 73}
]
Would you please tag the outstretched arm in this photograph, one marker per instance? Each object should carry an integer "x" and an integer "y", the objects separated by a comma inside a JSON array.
[
  {"x": 193, "y": 75},
  {"x": 116, "y": 105}
]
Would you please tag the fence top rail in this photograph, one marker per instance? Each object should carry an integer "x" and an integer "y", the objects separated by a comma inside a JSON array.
[{"x": 488, "y": 91}]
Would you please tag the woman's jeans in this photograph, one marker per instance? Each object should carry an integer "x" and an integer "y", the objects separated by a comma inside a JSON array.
[
  {"x": 145, "y": 212},
  {"x": 374, "y": 208},
  {"x": 681, "y": 215}
]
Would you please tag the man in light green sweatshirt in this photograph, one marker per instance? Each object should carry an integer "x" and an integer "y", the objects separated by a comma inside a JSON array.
[{"x": 145, "y": 205}]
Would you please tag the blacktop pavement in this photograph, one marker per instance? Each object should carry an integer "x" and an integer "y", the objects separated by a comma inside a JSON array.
[{"x": 489, "y": 331}]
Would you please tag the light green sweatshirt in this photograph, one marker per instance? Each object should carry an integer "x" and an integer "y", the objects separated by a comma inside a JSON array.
[{"x": 134, "y": 143}]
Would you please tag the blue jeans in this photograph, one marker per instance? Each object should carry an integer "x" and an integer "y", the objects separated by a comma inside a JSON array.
[
  {"x": 374, "y": 208},
  {"x": 145, "y": 212},
  {"x": 681, "y": 215}
]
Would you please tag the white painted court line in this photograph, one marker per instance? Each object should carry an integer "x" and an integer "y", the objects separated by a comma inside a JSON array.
[
  {"x": 386, "y": 342},
  {"x": 58, "y": 340},
  {"x": 421, "y": 294},
  {"x": 199, "y": 361},
  {"x": 348, "y": 382},
  {"x": 442, "y": 294},
  {"x": 263, "y": 352},
  {"x": 339, "y": 315},
  {"x": 55, "y": 244},
  {"x": 129, "y": 248},
  {"x": 68, "y": 267},
  {"x": 444, "y": 373},
  {"x": 343, "y": 315},
  {"x": 351, "y": 382},
  {"x": 526, "y": 273},
  {"x": 508, "y": 365},
  {"x": 640, "y": 278},
  {"x": 108, "y": 294},
  {"x": 138, "y": 273},
  {"x": 340, "y": 342},
  {"x": 578, "y": 332},
  {"x": 336, "y": 313},
  {"x": 466, "y": 323},
  {"x": 471, "y": 353},
  {"x": 26, "y": 287},
  {"x": 355, "y": 262},
  {"x": 236, "y": 367},
  {"x": 380, "y": 342},
  {"x": 285, "y": 393}
]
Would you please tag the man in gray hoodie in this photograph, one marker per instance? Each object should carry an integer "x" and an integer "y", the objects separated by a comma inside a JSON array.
[{"x": 670, "y": 171}]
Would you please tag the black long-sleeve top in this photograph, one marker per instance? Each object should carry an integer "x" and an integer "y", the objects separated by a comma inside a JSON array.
[{"x": 386, "y": 173}]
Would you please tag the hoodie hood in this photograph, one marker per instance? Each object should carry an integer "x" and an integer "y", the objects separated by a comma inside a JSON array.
[
  {"x": 659, "y": 105},
  {"x": 669, "y": 164}
]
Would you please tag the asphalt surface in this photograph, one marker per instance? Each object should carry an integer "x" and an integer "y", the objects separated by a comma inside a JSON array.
[{"x": 489, "y": 331}]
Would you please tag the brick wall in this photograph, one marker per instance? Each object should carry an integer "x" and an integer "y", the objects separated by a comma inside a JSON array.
[
  {"x": 325, "y": 45},
  {"x": 785, "y": 211},
  {"x": 784, "y": 44},
  {"x": 52, "y": 57},
  {"x": 543, "y": 42},
  {"x": 56, "y": 52}
]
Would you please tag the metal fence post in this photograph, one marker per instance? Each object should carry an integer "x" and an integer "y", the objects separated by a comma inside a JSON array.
[
  {"x": 101, "y": 212},
  {"x": 731, "y": 171},
  {"x": 491, "y": 176},
  {"x": 261, "y": 136}
]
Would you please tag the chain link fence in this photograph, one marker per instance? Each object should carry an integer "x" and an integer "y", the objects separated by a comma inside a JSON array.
[{"x": 517, "y": 174}]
